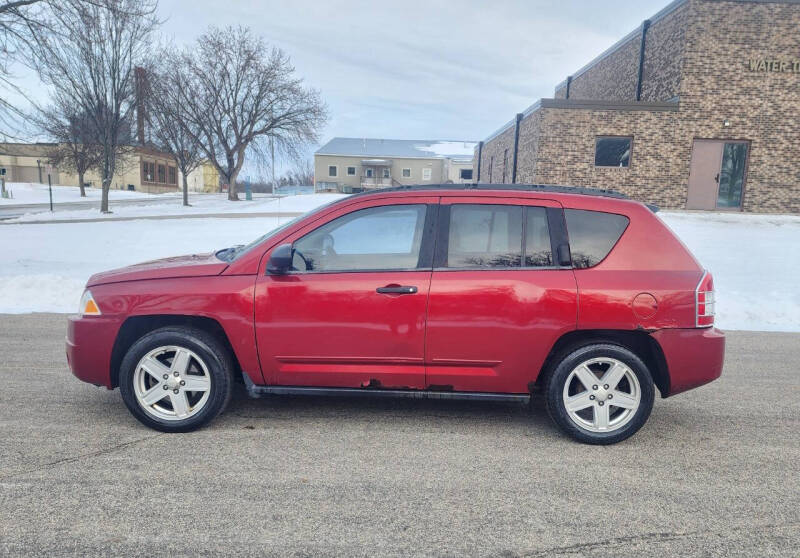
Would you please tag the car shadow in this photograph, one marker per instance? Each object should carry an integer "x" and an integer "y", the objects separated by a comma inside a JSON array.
[{"x": 243, "y": 408}]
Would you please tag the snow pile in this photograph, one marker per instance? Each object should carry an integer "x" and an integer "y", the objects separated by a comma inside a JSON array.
[
  {"x": 450, "y": 148},
  {"x": 44, "y": 267},
  {"x": 201, "y": 204},
  {"x": 31, "y": 192},
  {"x": 755, "y": 263}
]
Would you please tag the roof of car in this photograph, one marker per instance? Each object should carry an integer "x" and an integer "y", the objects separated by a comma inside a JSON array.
[{"x": 482, "y": 187}]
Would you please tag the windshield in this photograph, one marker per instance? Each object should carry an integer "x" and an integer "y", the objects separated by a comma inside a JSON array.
[{"x": 234, "y": 252}]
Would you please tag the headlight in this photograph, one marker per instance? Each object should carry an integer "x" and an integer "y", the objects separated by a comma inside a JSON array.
[{"x": 88, "y": 306}]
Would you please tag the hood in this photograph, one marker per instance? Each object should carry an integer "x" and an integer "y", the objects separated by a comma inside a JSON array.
[{"x": 195, "y": 265}]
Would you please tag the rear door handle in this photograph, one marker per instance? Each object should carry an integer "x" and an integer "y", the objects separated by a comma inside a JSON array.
[{"x": 397, "y": 289}]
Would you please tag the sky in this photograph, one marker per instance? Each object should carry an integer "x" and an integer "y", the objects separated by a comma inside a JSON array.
[{"x": 413, "y": 69}]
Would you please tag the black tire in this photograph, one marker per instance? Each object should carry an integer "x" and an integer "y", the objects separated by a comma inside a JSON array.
[
  {"x": 560, "y": 373},
  {"x": 216, "y": 358}
]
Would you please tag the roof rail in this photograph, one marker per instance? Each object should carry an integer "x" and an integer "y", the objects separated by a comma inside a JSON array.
[{"x": 513, "y": 187}]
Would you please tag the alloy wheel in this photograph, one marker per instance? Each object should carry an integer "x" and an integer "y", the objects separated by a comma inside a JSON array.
[
  {"x": 602, "y": 394},
  {"x": 171, "y": 383}
]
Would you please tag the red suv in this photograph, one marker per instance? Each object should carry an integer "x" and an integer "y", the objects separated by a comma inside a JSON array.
[{"x": 483, "y": 292}]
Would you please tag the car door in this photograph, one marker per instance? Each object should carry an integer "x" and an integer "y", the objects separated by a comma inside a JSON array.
[
  {"x": 352, "y": 312},
  {"x": 499, "y": 298}
]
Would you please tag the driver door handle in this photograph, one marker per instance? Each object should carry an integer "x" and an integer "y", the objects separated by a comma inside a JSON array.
[{"x": 397, "y": 289}]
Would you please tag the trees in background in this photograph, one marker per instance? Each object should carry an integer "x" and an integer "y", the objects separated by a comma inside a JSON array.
[
  {"x": 88, "y": 55},
  {"x": 162, "y": 92},
  {"x": 238, "y": 95},
  {"x": 17, "y": 20},
  {"x": 72, "y": 132}
]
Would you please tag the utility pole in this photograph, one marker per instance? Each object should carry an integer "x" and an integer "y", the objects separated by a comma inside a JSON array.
[
  {"x": 272, "y": 153},
  {"x": 50, "y": 188}
]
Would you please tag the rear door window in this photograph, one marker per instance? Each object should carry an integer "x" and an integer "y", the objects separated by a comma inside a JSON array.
[
  {"x": 485, "y": 236},
  {"x": 498, "y": 236},
  {"x": 538, "y": 251},
  {"x": 592, "y": 235}
]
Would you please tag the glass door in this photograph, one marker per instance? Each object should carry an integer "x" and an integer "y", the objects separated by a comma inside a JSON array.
[{"x": 731, "y": 175}]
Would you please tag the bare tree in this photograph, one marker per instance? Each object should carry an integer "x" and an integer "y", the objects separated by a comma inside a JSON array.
[
  {"x": 72, "y": 132},
  {"x": 240, "y": 94},
  {"x": 17, "y": 17},
  {"x": 21, "y": 22},
  {"x": 89, "y": 56},
  {"x": 173, "y": 133}
]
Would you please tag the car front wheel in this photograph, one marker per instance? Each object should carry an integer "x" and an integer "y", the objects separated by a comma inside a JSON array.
[
  {"x": 600, "y": 394},
  {"x": 176, "y": 379}
]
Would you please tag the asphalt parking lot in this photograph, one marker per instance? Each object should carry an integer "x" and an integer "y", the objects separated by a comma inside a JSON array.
[{"x": 715, "y": 472}]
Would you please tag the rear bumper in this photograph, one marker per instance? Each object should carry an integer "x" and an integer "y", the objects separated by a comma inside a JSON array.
[
  {"x": 90, "y": 341},
  {"x": 694, "y": 356}
]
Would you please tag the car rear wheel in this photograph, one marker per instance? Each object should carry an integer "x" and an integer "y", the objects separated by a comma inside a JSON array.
[
  {"x": 176, "y": 379},
  {"x": 600, "y": 394}
]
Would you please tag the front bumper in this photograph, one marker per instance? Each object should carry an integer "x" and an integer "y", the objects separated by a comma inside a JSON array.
[
  {"x": 694, "y": 356},
  {"x": 90, "y": 341}
]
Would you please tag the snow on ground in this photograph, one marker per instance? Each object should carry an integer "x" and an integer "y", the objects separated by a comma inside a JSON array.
[
  {"x": 755, "y": 262},
  {"x": 30, "y": 192},
  {"x": 200, "y": 204},
  {"x": 43, "y": 267}
]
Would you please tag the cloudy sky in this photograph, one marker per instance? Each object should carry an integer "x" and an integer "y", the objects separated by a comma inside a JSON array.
[
  {"x": 423, "y": 69},
  {"x": 432, "y": 69}
]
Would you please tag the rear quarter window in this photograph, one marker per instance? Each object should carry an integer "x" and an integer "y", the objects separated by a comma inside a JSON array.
[{"x": 592, "y": 235}]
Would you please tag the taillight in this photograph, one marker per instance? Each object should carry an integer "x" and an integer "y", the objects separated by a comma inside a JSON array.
[{"x": 704, "y": 301}]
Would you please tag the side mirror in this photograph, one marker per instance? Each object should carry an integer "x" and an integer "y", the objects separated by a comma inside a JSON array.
[
  {"x": 564, "y": 256},
  {"x": 280, "y": 261}
]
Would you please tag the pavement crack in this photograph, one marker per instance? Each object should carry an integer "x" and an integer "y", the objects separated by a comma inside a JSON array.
[
  {"x": 581, "y": 548},
  {"x": 74, "y": 458}
]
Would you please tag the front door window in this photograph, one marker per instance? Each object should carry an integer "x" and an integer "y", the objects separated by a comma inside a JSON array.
[
  {"x": 378, "y": 238},
  {"x": 731, "y": 176}
]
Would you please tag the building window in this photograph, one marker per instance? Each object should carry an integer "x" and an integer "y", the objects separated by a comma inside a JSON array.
[
  {"x": 351, "y": 171},
  {"x": 505, "y": 164},
  {"x": 612, "y": 151},
  {"x": 491, "y": 164},
  {"x": 162, "y": 174},
  {"x": 148, "y": 171},
  {"x": 173, "y": 175},
  {"x": 465, "y": 174},
  {"x": 406, "y": 173},
  {"x": 426, "y": 174},
  {"x": 332, "y": 170},
  {"x": 386, "y": 173},
  {"x": 368, "y": 173}
]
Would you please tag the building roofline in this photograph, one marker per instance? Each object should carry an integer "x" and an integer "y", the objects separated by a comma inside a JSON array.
[
  {"x": 586, "y": 104},
  {"x": 362, "y": 156},
  {"x": 666, "y": 10},
  {"x": 414, "y": 141}
]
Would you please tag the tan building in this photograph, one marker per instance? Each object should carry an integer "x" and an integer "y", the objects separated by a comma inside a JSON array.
[
  {"x": 27, "y": 162},
  {"x": 355, "y": 164},
  {"x": 143, "y": 169},
  {"x": 697, "y": 108}
]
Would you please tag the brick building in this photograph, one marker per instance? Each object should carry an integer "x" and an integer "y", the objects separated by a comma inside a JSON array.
[{"x": 698, "y": 108}]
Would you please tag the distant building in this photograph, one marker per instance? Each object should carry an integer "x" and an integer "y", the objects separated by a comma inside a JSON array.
[
  {"x": 356, "y": 164},
  {"x": 144, "y": 169},
  {"x": 695, "y": 109}
]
